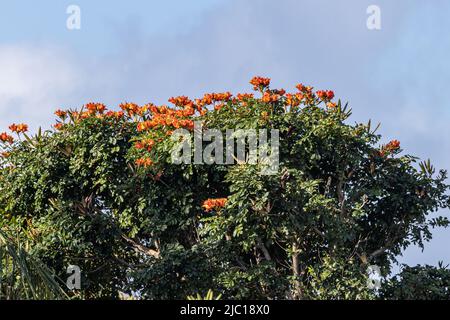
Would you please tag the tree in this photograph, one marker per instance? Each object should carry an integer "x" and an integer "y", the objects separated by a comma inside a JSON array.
[
  {"x": 419, "y": 283},
  {"x": 101, "y": 191}
]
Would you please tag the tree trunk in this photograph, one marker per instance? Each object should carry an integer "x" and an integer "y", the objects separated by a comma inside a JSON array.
[{"x": 298, "y": 294}]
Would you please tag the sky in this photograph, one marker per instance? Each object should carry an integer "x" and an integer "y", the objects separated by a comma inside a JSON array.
[{"x": 147, "y": 51}]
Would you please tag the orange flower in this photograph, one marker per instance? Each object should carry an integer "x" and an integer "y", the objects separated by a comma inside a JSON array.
[
  {"x": 144, "y": 162},
  {"x": 207, "y": 99},
  {"x": 4, "y": 137},
  {"x": 142, "y": 126},
  {"x": 299, "y": 96},
  {"x": 119, "y": 114},
  {"x": 163, "y": 109},
  {"x": 321, "y": 94},
  {"x": 392, "y": 145},
  {"x": 260, "y": 83},
  {"x": 188, "y": 124},
  {"x": 219, "y": 106},
  {"x": 130, "y": 108},
  {"x": 222, "y": 97},
  {"x": 75, "y": 115},
  {"x": 269, "y": 97},
  {"x": 214, "y": 204},
  {"x": 169, "y": 121},
  {"x": 18, "y": 128},
  {"x": 85, "y": 115},
  {"x": 148, "y": 143},
  {"x": 115, "y": 114},
  {"x": 244, "y": 96},
  {"x": 95, "y": 107},
  {"x": 188, "y": 111},
  {"x": 180, "y": 101},
  {"x": 325, "y": 95},
  {"x": 5, "y": 154},
  {"x": 139, "y": 145},
  {"x": 293, "y": 100},
  {"x": 176, "y": 123},
  {"x": 331, "y": 105},
  {"x": 145, "y": 144},
  {"x": 304, "y": 89},
  {"x": 153, "y": 109},
  {"x": 330, "y": 94},
  {"x": 61, "y": 114},
  {"x": 58, "y": 126},
  {"x": 280, "y": 92},
  {"x": 92, "y": 107}
]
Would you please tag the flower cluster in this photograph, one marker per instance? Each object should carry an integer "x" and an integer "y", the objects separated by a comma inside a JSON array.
[
  {"x": 59, "y": 126},
  {"x": 211, "y": 98},
  {"x": 270, "y": 97},
  {"x": 144, "y": 162},
  {"x": 181, "y": 101},
  {"x": 325, "y": 95},
  {"x": 260, "y": 83},
  {"x": 156, "y": 120},
  {"x": 153, "y": 122},
  {"x": 169, "y": 118},
  {"x": 19, "y": 128},
  {"x": 146, "y": 144},
  {"x": 4, "y": 137},
  {"x": 392, "y": 146},
  {"x": 389, "y": 148},
  {"x": 306, "y": 94},
  {"x": 61, "y": 114},
  {"x": 94, "y": 108},
  {"x": 214, "y": 204},
  {"x": 114, "y": 114},
  {"x": 132, "y": 109},
  {"x": 305, "y": 89},
  {"x": 244, "y": 96}
]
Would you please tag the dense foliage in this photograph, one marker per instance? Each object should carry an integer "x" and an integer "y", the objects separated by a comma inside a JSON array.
[
  {"x": 419, "y": 282},
  {"x": 101, "y": 192},
  {"x": 22, "y": 275}
]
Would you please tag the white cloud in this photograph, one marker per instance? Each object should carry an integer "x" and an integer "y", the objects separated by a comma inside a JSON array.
[{"x": 34, "y": 82}]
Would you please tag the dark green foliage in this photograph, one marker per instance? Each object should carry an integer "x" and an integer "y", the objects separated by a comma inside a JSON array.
[
  {"x": 336, "y": 205},
  {"x": 419, "y": 283}
]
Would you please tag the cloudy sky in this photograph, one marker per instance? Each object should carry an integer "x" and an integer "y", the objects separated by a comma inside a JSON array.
[{"x": 146, "y": 51}]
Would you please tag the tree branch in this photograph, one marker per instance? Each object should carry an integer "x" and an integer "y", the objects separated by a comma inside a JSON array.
[
  {"x": 141, "y": 248},
  {"x": 264, "y": 250},
  {"x": 298, "y": 294},
  {"x": 341, "y": 195}
]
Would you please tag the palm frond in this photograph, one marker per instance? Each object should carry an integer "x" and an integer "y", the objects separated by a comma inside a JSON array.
[{"x": 23, "y": 277}]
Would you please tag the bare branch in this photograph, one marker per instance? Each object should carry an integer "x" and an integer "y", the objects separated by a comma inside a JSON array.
[
  {"x": 141, "y": 248},
  {"x": 264, "y": 250},
  {"x": 296, "y": 271}
]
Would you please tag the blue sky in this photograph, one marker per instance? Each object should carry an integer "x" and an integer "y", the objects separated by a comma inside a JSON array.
[{"x": 146, "y": 51}]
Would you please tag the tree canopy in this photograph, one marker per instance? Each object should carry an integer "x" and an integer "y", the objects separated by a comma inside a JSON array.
[
  {"x": 101, "y": 191},
  {"x": 419, "y": 282}
]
